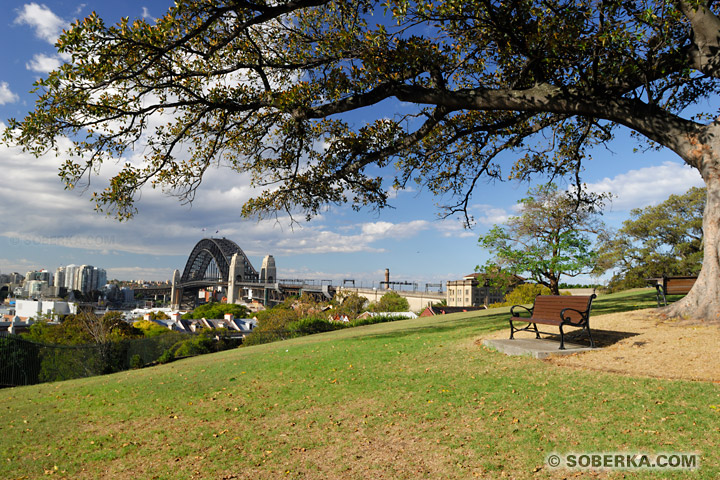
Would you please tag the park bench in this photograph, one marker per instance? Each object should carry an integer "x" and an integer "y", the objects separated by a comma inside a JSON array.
[
  {"x": 559, "y": 310},
  {"x": 672, "y": 286}
]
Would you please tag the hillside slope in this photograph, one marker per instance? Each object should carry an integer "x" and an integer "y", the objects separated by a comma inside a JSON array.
[{"x": 409, "y": 399}]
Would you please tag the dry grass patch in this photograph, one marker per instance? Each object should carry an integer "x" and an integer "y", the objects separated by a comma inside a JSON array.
[{"x": 644, "y": 343}]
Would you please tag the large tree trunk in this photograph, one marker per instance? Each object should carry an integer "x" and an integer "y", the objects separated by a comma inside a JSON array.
[{"x": 703, "y": 301}]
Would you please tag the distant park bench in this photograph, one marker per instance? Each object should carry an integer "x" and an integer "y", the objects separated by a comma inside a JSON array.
[
  {"x": 559, "y": 310},
  {"x": 672, "y": 286}
]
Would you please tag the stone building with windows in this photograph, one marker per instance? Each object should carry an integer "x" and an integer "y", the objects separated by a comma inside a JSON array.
[{"x": 474, "y": 291}]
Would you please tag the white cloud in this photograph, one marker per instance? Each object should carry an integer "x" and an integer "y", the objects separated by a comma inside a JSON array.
[
  {"x": 379, "y": 230},
  {"x": 19, "y": 265},
  {"x": 489, "y": 215},
  {"x": 493, "y": 216},
  {"x": 146, "y": 14},
  {"x": 42, "y": 63},
  {"x": 47, "y": 25},
  {"x": 319, "y": 239},
  {"x": 455, "y": 228},
  {"x": 6, "y": 95},
  {"x": 648, "y": 186}
]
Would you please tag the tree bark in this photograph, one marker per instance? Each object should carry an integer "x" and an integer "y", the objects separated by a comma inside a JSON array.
[{"x": 703, "y": 301}]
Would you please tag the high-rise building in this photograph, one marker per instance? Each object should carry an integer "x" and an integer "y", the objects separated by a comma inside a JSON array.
[
  {"x": 88, "y": 278},
  {"x": 39, "y": 275},
  {"x": 71, "y": 277},
  {"x": 128, "y": 295},
  {"x": 13, "y": 278},
  {"x": 101, "y": 278},
  {"x": 60, "y": 277},
  {"x": 35, "y": 287},
  {"x": 84, "y": 278}
]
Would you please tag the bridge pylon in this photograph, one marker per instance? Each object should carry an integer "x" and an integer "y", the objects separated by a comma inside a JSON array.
[
  {"x": 234, "y": 275},
  {"x": 175, "y": 292}
]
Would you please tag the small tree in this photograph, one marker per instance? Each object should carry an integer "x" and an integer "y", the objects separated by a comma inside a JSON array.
[
  {"x": 159, "y": 316},
  {"x": 391, "y": 302},
  {"x": 150, "y": 329},
  {"x": 272, "y": 325},
  {"x": 666, "y": 239},
  {"x": 306, "y": 305},
  {"x": 107, "y": 328},
  {"x": 352, "y": 305},
  {"x": 550, "y": 237}
]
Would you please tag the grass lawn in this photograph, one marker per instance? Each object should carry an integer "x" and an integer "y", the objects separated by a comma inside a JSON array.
[{"x": 408, "y": 399}]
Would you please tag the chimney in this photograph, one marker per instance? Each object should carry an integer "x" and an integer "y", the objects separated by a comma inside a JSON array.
[
  {"x": 387, "y": 279},
  {"x": 229, "y": 317}
]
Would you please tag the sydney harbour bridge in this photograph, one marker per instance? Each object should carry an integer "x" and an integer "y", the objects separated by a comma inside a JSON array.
[{"x": 220, "y": 264}]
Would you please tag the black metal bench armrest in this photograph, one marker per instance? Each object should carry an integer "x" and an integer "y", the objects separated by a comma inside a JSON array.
[
  {"x": 660, "y": 293},
  {"x": 514, "y": 314},
  {"x": 585, "y": 314}
]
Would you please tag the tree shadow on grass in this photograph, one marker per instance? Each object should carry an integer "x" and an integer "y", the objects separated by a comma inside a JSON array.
[
  {"x": 640, "y": 300},
  {"x": 475, "y": 325},
  {"x": 602, "y": 338}
]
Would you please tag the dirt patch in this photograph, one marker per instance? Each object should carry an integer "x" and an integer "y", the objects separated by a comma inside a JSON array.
[{"x": 643, "y": 343}]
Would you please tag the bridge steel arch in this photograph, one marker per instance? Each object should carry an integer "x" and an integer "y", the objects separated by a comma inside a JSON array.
[{"x": 220, "y": 251}]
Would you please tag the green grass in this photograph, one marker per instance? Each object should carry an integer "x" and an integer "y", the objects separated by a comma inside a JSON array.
[{"x": 407, "y": 399}]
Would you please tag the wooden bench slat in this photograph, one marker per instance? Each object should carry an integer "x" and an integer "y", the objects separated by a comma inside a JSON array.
[
  {"x": 673, "y": 286},
  {"x": 679, "y": 286},
  {"x": 549, "y": 307}
]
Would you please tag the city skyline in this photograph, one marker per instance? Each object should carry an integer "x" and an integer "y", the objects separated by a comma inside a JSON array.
[{"x": 45, "y": 226}]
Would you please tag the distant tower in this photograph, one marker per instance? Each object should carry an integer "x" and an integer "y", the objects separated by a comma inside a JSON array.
[
  {"x": 268, "y": 274},
  {"x": 387, "y": 279}
]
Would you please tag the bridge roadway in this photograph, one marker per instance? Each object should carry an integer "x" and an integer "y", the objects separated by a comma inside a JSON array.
[{"x": 266, "y": 293}]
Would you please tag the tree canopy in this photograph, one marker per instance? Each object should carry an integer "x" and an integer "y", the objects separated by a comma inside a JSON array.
[
  {"x": 664, "y": 239},
  {"x": 549, "y": 239},
  {"x": 215, "y": 310},
  {"x": 500, "y": 89},
  {"x": 83, "y": 328},
  {"x": 391, "y": 301}
]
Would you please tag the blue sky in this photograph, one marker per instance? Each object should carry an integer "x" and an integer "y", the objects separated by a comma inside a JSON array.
[{"x": 44, "y": 226}]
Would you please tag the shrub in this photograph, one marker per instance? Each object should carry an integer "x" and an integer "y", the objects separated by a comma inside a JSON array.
[
  {"x": 523, "y": 294},
  {"x": 136, "y": 361},
  {"x": 167, "y": 356},
  {"x": 191, "y": 347},
  {"x": 375, "y": 319},
  {"x": 310, "y": 325}
]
